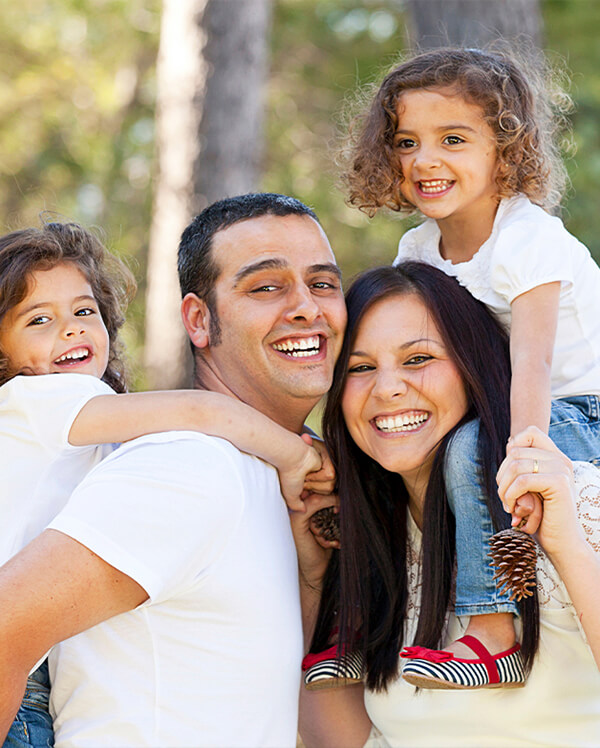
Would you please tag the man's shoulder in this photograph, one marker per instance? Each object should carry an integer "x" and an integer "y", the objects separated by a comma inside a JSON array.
[{"x": 180, "y": 457}]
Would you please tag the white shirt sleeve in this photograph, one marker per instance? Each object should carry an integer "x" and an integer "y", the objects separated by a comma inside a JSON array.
[
  {"x": 527, "y": 255},
  {"x": 50, "y": 403},
  {"x": 160, "y": 508}
]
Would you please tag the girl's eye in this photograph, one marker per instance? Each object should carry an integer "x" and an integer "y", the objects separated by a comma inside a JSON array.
[
  {"x": 39, "y": 320},
  {"x": 405, "y": 143},
  {"x": 419, "y": 359},
  {"x": 85, "y": 312},
  {"x": 453, "y": 140}
]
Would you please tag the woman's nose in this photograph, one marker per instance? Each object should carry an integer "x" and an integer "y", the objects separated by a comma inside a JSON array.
[{"x": 389, "y": 385}]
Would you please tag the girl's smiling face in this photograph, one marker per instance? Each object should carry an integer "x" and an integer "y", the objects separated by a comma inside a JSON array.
[
  {"x": 403, "y": 393},
  {"x": 57, "y": 327},
  {"x": 447, "y": 152}
]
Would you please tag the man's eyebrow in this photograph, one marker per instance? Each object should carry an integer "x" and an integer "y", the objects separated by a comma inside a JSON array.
[
  {"x": 277, "y": 263},
  {"x": 274, "y": 263},
  {"x": 326, "y": 267}
]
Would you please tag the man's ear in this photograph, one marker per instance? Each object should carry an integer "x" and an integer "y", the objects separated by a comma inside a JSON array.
[{"x": 196, "y": 319}]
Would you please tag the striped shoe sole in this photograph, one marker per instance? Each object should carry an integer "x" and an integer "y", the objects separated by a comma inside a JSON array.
[{"x": 334, "y": 673}]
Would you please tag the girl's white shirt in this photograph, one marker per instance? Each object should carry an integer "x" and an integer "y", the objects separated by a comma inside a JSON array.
[
  {"x": 39, "y": 467},
  {"x": 527, "y": 248},
  {"x": 560, "y": 703}
]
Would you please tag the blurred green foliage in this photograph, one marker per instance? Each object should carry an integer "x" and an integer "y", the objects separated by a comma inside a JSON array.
[{"x": 77, "y": 96}]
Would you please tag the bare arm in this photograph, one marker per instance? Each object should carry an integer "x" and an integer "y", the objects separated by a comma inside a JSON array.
[
  {"x": 333, "y": 718},
  {"x": 118, "y": 418},
  {"x": 532, "y": 335},
  {"x": 533, "y": 331},
  {"x": 53, "y": 589},
  {"x": 560, "y": 533}
]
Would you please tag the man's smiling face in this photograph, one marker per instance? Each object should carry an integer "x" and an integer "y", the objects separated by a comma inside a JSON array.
[{"x": 281, "y": 312}]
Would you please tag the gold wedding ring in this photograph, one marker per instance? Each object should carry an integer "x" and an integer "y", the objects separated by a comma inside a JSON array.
[{"x": 536, "y": 465}]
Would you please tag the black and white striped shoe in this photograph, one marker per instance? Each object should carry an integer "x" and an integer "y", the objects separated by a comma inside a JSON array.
[
  {"x": 432, "y": 668},
  {"x": 325, "y": 670}
]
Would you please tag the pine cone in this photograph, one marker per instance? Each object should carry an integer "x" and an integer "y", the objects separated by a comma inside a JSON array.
[
  {"x": 327, "y": 522},
  {"x": 513, "y": 555}
]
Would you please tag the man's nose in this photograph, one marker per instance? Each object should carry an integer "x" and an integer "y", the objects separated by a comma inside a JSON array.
[{"x": 302, "y": 304}]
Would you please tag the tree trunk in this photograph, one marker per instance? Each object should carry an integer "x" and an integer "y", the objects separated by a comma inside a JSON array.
[
  {"x": 210, "y": 73},
  {"x": 472, "y": 23}
]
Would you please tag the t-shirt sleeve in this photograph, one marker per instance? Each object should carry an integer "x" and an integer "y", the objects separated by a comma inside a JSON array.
[
  {"x": 527, "y": 255},
  {"x": 51, "y": 402},
  {"x": 160, "y": 509}
]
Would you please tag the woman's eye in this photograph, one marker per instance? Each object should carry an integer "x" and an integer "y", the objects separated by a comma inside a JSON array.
[
  {"x": 359, "y": 368},
  {"x": 453, "y": 140},
  {"x": 416, "y": 360}
]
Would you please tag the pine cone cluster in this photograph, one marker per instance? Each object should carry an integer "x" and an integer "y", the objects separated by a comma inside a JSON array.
[
  {"x": 327, "y": 523},
  {"x": 513, "y": 555}
]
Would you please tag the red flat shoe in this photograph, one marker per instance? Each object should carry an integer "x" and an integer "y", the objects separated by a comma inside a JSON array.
[{"x": 433, "y": 668}]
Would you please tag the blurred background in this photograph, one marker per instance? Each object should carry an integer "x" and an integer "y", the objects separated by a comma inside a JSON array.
[{"x": 132, "y": 115}]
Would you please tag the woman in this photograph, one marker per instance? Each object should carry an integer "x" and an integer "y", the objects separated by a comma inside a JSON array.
[{"x": 418, "y": 345}]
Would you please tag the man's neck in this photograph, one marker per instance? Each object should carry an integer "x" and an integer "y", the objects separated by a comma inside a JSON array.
[{"x": 292, "y": 417}]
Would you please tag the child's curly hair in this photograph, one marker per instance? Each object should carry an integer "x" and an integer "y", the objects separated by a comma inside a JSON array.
[
  {"x": 29, "y": 250},
  {"x": 516, "y": 102}
]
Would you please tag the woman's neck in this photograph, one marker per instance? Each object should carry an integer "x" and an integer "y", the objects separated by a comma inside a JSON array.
[{"x": 416, "y": 489}]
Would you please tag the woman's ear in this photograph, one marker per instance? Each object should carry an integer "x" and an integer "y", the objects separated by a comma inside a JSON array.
[{"x": 196, "y": 319}]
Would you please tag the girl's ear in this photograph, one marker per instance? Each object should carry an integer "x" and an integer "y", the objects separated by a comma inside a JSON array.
[{"x": 196, "y": 319}]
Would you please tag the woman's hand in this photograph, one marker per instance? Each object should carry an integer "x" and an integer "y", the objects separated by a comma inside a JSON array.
[
  {"x": 533, "y": 464},
  {"x": 313, "y": 550}
]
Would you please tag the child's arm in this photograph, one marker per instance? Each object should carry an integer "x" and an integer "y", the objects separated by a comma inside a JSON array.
[
  {"x": 118, "y": 418},
  {"x": 533, "y": 331},
  {"x": 534, "y": 317}
]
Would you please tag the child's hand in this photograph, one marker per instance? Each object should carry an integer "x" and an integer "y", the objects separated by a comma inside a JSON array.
[
  {"x": 300, "y": 462},
  {"x": 527, "y": 510},
  {"x": 321, "y": 481}
]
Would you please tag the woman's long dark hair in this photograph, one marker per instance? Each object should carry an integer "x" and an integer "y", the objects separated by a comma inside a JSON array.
[{"x": 365, "y": 589}]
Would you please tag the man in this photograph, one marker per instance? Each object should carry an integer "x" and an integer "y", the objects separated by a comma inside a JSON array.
[{"x": 179, "y": 539}]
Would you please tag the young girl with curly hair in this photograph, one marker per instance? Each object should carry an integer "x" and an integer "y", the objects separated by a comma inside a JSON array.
[
  {"x": 468, "y": 139},
  {"x": 62, "y": 298}
]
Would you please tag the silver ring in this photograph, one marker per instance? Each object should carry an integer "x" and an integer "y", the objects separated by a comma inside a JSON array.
[{"x": 536, "y": 465}]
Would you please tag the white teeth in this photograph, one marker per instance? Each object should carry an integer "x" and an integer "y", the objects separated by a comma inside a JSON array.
[
  {"x": 396, "y": 424},
  {"x": 435, "y": 185},
  {"x": 73, "y": 355},
  {"x": 300, "y": 347}
]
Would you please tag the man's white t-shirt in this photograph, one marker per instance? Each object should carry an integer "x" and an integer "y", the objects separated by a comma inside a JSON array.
[
  {"x": 38, "y": 466},
  {"x": 213, "y": 657}
]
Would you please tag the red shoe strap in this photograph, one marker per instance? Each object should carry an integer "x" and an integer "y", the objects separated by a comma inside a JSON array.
[{"x": 486, "y": 658}]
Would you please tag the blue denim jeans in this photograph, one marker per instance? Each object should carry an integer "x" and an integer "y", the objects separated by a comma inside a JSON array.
[
  {"x": 33, "y": 725},
  {"x": 575, "y": 429}
]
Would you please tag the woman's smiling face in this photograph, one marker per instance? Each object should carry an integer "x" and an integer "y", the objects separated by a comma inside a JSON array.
[{"x": 403, "y": 392}]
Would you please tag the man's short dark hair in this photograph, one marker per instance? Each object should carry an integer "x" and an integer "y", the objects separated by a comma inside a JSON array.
[{"x": 197, "y": 270}]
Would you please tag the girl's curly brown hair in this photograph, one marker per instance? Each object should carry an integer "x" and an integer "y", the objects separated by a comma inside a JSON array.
[
  {"x": 29, "y": 250},
  {"x": 516, "y": 102}
]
